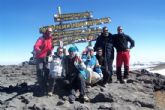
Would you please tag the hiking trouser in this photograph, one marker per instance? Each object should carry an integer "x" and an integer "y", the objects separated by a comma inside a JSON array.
[
  {"x": 106, "y": 76},
  {"x": 52, "y": 82},
  {"x": 122, "y": 57},
  {"x": 110, "y": 69},
  {"x": 56, "y": 82},
  {"x": 78, "y": 83},
  {"x": 42, "y": 74}
]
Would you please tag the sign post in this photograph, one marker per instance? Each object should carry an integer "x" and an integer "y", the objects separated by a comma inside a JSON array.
[{"x": 75, "y": 27}]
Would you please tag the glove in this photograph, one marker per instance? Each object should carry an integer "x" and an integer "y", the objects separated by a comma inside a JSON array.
[
  {"x": 101, "y": 75},
  {"x": 49, "y": 53},
  {"x": 66, "y": 82}
]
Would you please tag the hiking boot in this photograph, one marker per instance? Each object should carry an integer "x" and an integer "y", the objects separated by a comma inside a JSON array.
[
  {"x": 125, "y": 76},
  {"x": 72, "y": 98},
  {"x": 86, "y": 99},
  {"x": 110, "y": 80},
  {"x": 125, "y": 80},
  {"x": 50, "y": 93},
  {"x": 88, "y": 86},
  {"x": 117, "y": 81},
  {"x": 71, "y": 101},
  {"x": 83, "y": 99},
  {"x": 122, "y": 81},
  {"x": 103, "y": 85}
]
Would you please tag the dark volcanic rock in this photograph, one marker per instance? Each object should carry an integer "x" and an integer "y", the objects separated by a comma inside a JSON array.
[
  {"x": 102, "y": 97},
  {"x": 82, "y": 108},
  {"x": 59, "y": 103},
  {"x": 159, "y": 82},
  {"x": 18, "y": 91}
]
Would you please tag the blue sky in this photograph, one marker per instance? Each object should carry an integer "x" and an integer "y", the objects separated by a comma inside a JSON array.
[{"x": 143, "y": 20}]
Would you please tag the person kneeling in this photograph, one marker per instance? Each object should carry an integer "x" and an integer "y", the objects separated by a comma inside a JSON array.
[
  {"x": 74, "y": 78},
  {"x": 93, "y": 70}
]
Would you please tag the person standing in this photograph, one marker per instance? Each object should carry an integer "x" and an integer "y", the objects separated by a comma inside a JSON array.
[
  {"x": 121, "y": 44},
  {"x": 43, "y": 48},
  {"x": 105, "y": 41}
]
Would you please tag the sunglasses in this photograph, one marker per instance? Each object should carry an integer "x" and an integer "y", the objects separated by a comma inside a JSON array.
[{"x": 105, "y": 30}]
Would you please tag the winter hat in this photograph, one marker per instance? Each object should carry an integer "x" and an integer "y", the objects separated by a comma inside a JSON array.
[
  {"x": 72, "y": 49},
  {"x": 90, "y": 48}
]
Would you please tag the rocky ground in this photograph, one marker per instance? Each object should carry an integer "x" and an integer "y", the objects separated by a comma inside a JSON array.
[{"x": 143, "y": 91}]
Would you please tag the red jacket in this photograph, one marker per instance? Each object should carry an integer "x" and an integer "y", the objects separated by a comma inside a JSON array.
[{"x": 43, "y": 46}]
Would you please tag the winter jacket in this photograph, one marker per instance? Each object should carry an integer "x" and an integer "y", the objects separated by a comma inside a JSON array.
[
  {"x": 101, "y": 61},
  {"x": 92, "y": 70},
  {"x": 121, "y": 42},
  {"x": 70, "y": 69},
  {"x": 106, "y": 43},
  {"x": 56, "y": 66},
  {"x": 43, "y": 47},
  {"x": 91, "y": 62}
]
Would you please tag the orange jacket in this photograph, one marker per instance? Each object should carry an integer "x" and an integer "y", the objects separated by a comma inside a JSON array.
[{"x": 43, "y": 46}]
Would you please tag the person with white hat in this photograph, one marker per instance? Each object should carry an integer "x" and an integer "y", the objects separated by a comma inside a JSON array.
[{"x": 93, "y": 70}]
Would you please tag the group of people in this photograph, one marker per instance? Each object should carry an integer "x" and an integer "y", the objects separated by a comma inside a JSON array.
[
  {"x": 78, "y": 71},
  {"x": 106, "y": 43}
]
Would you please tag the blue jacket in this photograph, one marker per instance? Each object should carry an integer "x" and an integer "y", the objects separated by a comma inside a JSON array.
[{"x": 91, "y": 62}]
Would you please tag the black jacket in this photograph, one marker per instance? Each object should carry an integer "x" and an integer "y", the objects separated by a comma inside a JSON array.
[
  {"x": 121, "y": 42},
  {"x": 101, "y": 61},
  {"x": 106, "y": 43},
  {"x": 71, "y": 71}
]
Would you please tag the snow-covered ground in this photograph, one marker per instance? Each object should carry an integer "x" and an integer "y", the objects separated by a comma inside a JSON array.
[
  {"x": 141, "y": 65},
  {"x": 148, "y": 66},
  {"x": 161, "y": 71}
]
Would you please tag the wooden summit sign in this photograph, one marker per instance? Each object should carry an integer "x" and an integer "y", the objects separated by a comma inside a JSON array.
[
  {"x": 78, "y": 27},
  {"x": 72, "y": 16}
]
